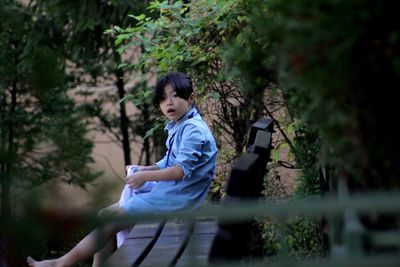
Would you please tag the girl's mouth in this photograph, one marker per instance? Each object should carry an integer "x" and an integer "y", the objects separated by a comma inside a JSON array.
[{"x": 171, "y": 110}]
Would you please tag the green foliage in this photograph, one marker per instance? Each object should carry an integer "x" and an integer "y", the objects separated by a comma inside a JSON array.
[
  {"x": 184, "y": 36},
  {"x": 299, "y": 235},
  {"x": 271, "y": 239},
  {"x": 91, "y": 60},
  {"x": 338, "y": 67},
  {"x": 253, "y": 58},
  {"x": 189, "y": 38},
  {"x": 91, "y": 51},
  {"x": 304, "y": 238},
  {"x": 307, "y": 151},
  {"x": 340, "y": 79},
  {"x": 42, "y": 138},
  {"x": 250, "y": 57},
  {"x": 330, "y": 71}
]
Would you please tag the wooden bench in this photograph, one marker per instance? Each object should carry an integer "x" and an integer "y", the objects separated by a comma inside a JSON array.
[{"x": 178, "y": 242}]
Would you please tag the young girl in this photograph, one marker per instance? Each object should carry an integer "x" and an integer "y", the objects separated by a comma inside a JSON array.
[{"x": 183, "y": 176}]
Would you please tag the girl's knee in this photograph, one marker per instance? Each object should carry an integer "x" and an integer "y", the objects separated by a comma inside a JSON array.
[
  {"x": 108, "y": 211},
  {"x": 101, "y": 213}
]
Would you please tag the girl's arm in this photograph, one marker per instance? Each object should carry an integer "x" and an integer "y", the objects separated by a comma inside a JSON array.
[
  {"x": 140, "y": 168},
  {"x": 139, "y": 178},
  {"x": 148, "y": 168}
]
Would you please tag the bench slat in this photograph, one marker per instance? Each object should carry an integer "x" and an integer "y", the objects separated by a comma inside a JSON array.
[
  {"x": 199, "y": 246},
  {"x": 169, "y": 245},
  {"x": 137, "y": 245},
  {"x": 143, "y": 229}
]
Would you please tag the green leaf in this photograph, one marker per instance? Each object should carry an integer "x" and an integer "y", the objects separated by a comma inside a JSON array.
[
  {"x": 108, "y": 31},
  {"x": 138, "y": 18},
  {"x": 118, "y": 29},
  {"x": 122, "y": 65},
  {"x": 276, "y": 155}
]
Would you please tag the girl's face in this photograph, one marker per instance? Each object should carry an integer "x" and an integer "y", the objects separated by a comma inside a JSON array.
[{"x": 172, "y": 106}]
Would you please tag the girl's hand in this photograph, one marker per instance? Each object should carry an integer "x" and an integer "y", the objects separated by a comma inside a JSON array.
[
  {"x": 135, "y": 167},
  {"x": 136, "y": 180}
]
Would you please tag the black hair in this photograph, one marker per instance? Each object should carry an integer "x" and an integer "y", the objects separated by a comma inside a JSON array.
[{"x": 179, "y": 81}]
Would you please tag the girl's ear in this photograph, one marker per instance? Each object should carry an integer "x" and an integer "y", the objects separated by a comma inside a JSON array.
[{"x": 191, "y": 98}]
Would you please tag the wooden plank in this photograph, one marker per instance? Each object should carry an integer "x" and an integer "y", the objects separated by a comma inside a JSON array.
[
  {"x": 262, "y": 124},
  {"x": 169, "y": 245},
  {"x": 139, "y": 242},
  {"x": 244, "y": 176},
  {"x": 199, "y": 246},
  {"x": 143, "y": 229},
  {"x": 209, "y": 226},
  {"x": 262, "y": 144}
]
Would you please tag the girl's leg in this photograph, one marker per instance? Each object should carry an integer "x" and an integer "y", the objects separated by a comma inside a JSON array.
[
  {"x": 88, "y": 246},
  {"x": 101, "y": 256}
]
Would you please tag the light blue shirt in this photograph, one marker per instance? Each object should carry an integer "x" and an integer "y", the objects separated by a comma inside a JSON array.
[{"x": 191, "y": 146}]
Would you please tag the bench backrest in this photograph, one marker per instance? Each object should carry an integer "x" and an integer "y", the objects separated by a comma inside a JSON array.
[{"x": 245, "y": 183}]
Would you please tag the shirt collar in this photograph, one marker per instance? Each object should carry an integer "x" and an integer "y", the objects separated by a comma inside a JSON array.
[{"x": 173, "y": 125}]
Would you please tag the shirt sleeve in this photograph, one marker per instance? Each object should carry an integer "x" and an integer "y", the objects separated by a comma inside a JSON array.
[
  {"x": 190, "y": 149},
  {"x": 161, "y": 163}
]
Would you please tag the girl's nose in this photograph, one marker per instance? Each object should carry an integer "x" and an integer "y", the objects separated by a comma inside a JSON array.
[{"x": 169, "y": 101}]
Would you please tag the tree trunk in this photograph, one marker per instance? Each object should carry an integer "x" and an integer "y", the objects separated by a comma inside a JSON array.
[
  {"x": 5, "y": 193},
  {"x": 146, "y": 143},
  {"x": 9, "y": 151},
  {"x": 124, "y": 121}
]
